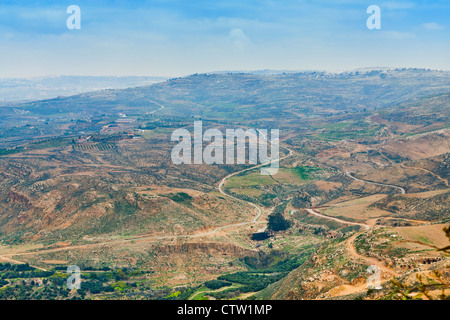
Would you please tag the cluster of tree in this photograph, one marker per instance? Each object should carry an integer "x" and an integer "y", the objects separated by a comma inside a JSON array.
[
  {"x": 276, "y": 261},
  {"x": 16, "y": 267},
  {"x": 216, "y": 284},
  {"x": 53, "y": 284},
  {"x": 301, "y": 200},
  {"x": 260, "y": 236},
  {"x": 27, "y": 274},
  {"x": 13, "y": 271},
  {"x": 180, "y": 197},
  {"x": 94, "y": 287},
  {"x": 277, "y": 222},
  {"x": 252, "y": 282},
  {"x": 51, "y": 290}
]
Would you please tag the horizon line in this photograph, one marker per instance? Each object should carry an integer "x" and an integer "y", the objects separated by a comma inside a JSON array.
[{"x": 275, "y": 71}]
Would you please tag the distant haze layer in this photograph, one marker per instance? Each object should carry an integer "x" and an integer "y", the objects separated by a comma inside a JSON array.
[{"x": 19, "y": 89}]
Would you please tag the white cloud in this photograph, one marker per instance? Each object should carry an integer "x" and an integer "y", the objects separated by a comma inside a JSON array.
[
  {"x": 396, "y": 5},
  {"x": 432, "y": 26},
  {"x": 398, "y": 35},
  {"x": 239, "y": 38}
]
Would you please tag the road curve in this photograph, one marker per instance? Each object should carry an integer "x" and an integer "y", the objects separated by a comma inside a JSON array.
[
  {"x": 348, "y": 174},
  {"x": 365, "y": 226},
  {"x": 351, "y": 249},
  {"x": 222, "y": 182},
  {"x": 152, "y": 237},
  {"x": 353, "y": 252},
  {"x": 158, "y": 104}
]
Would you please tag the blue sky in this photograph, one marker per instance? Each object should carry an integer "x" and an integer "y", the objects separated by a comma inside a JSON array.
[{"x": 180, "y": 37}]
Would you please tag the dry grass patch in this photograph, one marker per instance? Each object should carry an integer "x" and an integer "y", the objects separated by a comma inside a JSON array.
[
  {"x": 428, "y": 234},
  {"x": 357, "y": 209},
  {"x": 247, "y": 192}
]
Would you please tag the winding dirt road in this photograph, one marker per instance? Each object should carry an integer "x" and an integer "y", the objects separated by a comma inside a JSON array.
[
  {"x": 158, "y": 104},
  {"x": 5, "y": 259},
  {"x": 365, "y": 226},
  {"x": 154, "y": 238},
  {"x": 348, "y": 174},
  {"x": 427, "y": 171},
  {"x": 222, "y": 182},
  {"x": 347, "y": 289}
]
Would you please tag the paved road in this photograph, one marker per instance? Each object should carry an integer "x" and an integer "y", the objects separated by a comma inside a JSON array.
[
  {"x": 152, "y": 237},
  {"x": 222, "y": 182},
  {"x": 348, "y": 174}
]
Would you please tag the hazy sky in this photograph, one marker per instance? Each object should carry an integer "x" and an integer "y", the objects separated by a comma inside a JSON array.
[{"x": 180, "y": 37}]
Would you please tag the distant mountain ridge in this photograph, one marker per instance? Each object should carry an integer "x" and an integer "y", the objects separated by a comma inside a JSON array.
[
  {"x": 38, "y": 88},
  {"x": 256, "y": 96}
]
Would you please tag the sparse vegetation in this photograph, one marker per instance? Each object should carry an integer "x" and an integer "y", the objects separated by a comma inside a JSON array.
[{"x": 104, "y": 194}]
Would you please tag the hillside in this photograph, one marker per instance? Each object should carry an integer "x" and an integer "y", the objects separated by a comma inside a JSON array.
[{"x": 89, "y": 180}]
